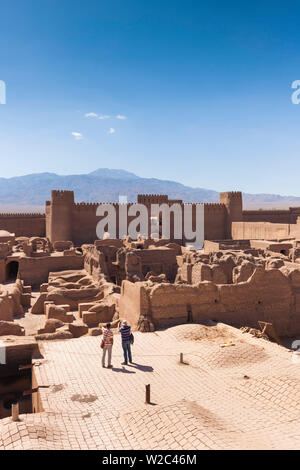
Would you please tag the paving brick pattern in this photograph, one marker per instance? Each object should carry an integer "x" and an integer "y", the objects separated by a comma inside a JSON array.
[{"x": 242, "y": 397}]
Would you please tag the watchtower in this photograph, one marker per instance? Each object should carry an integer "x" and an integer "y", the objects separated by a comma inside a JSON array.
[
  {"x": 233, "y": 201},
  {"x": 59, "y": 215}
]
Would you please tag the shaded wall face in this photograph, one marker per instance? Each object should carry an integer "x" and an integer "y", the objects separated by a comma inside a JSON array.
[
  {"x": 11, "y": 391},
  {"x": 61, "y": 223},
  {"x": 215, "y": 222},
  {"x": 84, "y": 222},
  {"x": 2, "y": 270},
  {"x": 13, "y": 381},
  {"x": 26, "y": 225}
]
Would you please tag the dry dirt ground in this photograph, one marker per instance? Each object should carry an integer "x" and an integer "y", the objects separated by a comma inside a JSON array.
[{"x": 244, "y": 396}]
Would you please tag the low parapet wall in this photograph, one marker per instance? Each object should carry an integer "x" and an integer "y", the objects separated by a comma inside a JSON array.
[
  {"x": 266, "y": 296},
  {"x": 264, "y": 231},
  {"x": 288, "y": 216}
]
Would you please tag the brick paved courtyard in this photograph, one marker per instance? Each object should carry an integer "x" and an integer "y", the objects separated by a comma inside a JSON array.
[{"x": 242, "y": 397}]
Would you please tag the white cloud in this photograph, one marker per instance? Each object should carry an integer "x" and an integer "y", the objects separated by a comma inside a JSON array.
[
  {"x": 77, "y": 135},
  {"x": 111, "y": 130},
  {"x": 104, "y": 116}
]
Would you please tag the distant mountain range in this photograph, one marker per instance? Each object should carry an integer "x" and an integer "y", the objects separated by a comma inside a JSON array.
[{"x": 30, "y": 192}]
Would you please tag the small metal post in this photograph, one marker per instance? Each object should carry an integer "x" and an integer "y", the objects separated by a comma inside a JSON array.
[
  {"x": 148, "y": 394},
  {"x": 181, "y": 358},
  {"x": 15, "y": 411}
]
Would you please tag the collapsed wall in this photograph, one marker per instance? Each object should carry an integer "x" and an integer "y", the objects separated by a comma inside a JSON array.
[
  {"x": 268, "y": 295},
  {"x": 12, "y": 301}
]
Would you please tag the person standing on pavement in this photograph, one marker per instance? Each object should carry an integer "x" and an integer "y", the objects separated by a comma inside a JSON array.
[
  {"x": 108, "y": 341},
  {"x": 125, "y": 331}
]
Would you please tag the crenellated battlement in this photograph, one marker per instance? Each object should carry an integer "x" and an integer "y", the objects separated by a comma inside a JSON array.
[
  {"x": 61, "y": 192},
  {"x": 59, "y": 196},
  {"x": 230, "y": 195},
  {"x": 193, "y": 204},
  {"x": 93, "y": 205},
  {"x": 214, "y": 206},
  {"x": 22, "y": 214},
  {"x": 152, "y": 198},
  {"x": 234, "y": 194},
  {"x": 86, "y": 205},
  {"x": 153, "y": 195}
]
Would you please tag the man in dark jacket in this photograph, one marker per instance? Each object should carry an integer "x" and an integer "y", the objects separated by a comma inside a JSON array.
[{"x": 125, "y": 331}]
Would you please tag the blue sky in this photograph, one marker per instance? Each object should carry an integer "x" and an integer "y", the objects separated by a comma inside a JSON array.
[{"x": 205, "y": 88}]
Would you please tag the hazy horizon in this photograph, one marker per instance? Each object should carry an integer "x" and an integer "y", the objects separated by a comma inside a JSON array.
[
  {"x": 28, "y": 193},
  {"x": 139, "y": 176}
]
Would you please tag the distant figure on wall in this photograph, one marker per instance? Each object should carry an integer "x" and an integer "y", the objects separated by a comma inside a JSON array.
[
  {"x": 127, "y": 340},
  {"x": 107, "y": 344}
]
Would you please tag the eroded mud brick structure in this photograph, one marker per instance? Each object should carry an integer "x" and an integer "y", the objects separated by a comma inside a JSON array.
[
  {"x": 248, "y": 269},
  {"x": 58, "y": 281}
]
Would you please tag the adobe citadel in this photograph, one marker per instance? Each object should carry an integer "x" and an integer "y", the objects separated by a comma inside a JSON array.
[
  {"x": 66, "y": 220},
  {"x": 58, "y": 281}
]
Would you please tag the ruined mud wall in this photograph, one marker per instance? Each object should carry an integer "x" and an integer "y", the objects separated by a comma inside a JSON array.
[
  {"x": 34, "y": 271},
  {"x": 267, "y": 296},
  {"x": 27, "y": 225},
  {"x": 134, "y": 302},
  {"x": 11, "y": 302},
  {"x": 160, "y": 260}
]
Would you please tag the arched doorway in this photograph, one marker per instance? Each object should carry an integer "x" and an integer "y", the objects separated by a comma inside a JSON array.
[{"x": 12, "y": 269}]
